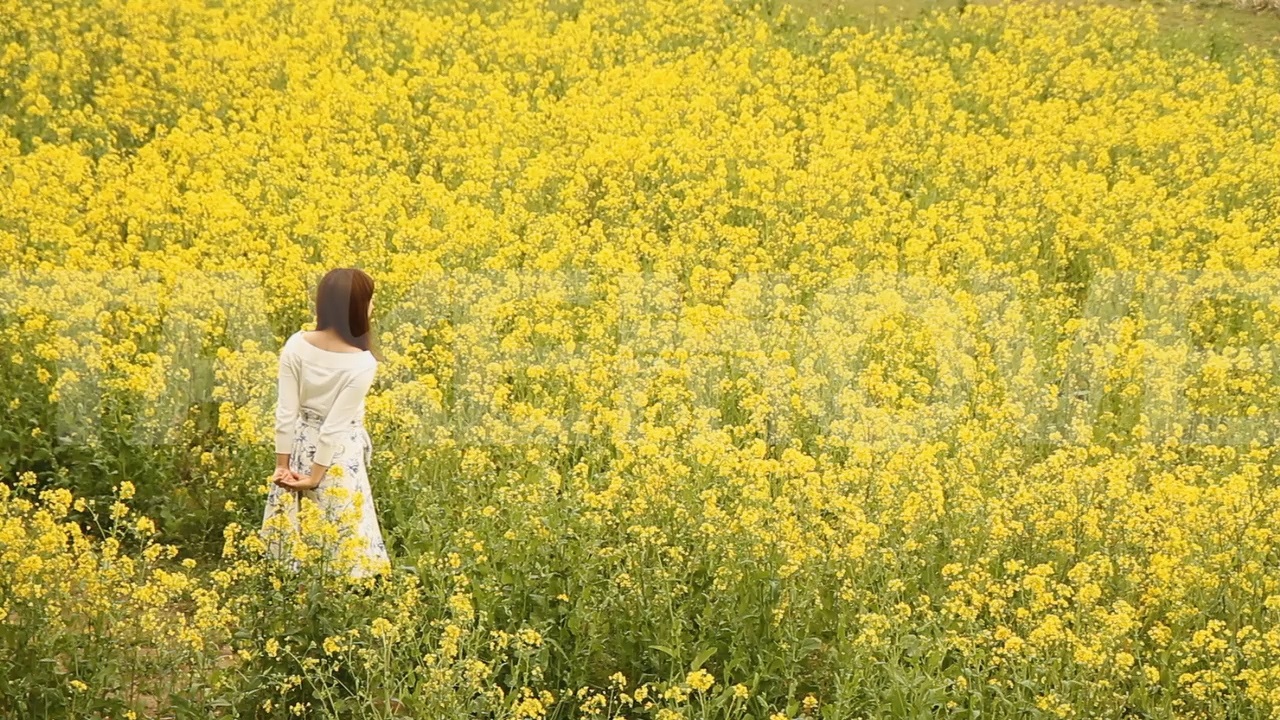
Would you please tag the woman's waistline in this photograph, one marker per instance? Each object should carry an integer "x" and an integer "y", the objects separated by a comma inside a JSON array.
[{"x": 316, "y": 419}]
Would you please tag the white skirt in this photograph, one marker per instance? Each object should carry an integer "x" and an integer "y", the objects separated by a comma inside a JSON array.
[{"x": 351, "y": 463}]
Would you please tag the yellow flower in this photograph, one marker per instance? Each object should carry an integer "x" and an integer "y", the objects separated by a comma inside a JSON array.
[
  {"x": 530, "y": 637},
  {"x": 1124, "y": 660},
  {"x": 381, "y": 628},
  {"x": 700, "y": 680}
]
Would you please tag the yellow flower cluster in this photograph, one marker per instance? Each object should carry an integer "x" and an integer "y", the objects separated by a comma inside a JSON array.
[{"x": 80, "y": 601}]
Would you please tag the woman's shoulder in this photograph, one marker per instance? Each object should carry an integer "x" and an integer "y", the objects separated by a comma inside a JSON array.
[
  {"x": 362, "y": 372},
  {"x": 300, "y": 343},
  {"x": 294, "y": 342}
]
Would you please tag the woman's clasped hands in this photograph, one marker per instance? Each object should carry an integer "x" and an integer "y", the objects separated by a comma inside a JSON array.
[{"x": 290, "y": 480}]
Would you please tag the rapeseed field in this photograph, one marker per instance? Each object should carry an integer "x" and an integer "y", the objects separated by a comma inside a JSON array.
[{"x": 736, "y": 363}]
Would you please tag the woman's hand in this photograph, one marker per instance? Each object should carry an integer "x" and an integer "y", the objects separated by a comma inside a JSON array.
[
  {"x": 282, "y": 473},
  {"x": 298, "y": 482}
]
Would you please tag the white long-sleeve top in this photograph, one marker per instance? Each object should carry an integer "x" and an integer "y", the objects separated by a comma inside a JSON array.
[{"x": 328, "y": 382}]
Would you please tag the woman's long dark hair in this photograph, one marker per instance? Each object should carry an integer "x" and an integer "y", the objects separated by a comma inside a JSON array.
[{"x": 342, "y": 303}]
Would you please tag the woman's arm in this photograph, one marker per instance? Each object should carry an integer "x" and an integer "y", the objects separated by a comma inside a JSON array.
[
  {"x": 287, "y": 381},
  {"x": 344, "y": 410}
]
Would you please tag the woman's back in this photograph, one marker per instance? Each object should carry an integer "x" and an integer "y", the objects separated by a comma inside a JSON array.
[
  {"x": 329, "y": 383},
  {"x": 324, "y": 372}
]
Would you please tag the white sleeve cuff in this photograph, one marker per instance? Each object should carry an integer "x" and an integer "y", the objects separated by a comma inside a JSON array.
[{"x": 324, "y": 454}]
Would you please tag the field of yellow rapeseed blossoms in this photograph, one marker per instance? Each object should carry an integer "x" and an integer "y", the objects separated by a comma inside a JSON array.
[{"x": 736, "y": 364}]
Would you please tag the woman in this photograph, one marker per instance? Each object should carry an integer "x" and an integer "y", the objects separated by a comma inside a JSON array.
[{"x": 322, "y": 447}]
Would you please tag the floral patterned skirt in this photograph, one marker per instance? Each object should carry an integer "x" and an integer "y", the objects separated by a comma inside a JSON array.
[{"x": 343, "y": 497}]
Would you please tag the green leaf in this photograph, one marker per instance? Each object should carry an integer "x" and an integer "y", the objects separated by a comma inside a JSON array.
[
  {"x": 701, "y": 658},
  {"x": 663, "y": 648},
  {"x": 809, "y": 645}
]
